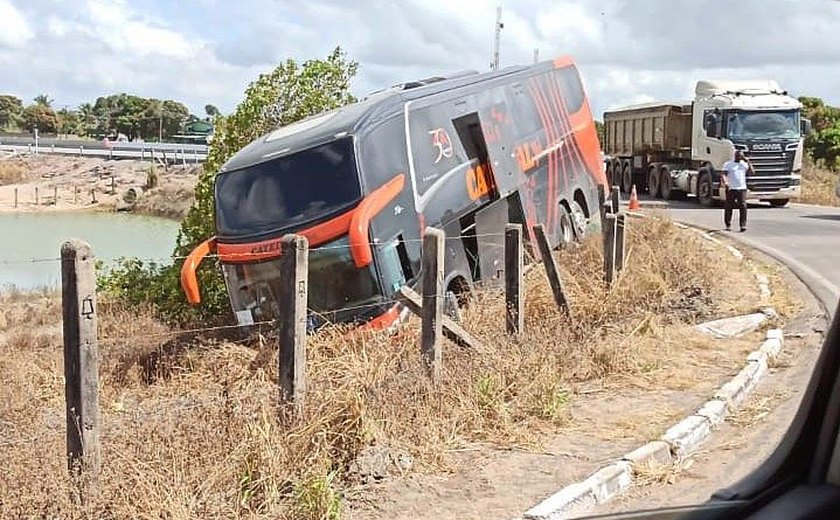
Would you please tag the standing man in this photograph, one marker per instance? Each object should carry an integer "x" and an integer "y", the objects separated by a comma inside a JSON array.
[{"x": 734, "y": 179}]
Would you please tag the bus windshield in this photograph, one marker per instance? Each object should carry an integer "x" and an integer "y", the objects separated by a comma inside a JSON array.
[
  {"x": 287, "y": 190},
  {"x": 336, "y": 286},
  {"x": 763, "y": 124}
]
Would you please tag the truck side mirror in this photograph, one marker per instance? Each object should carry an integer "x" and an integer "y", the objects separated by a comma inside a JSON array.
[{"x": 805, "y": 126}]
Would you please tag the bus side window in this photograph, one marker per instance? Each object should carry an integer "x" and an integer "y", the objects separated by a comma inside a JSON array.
[{"x": 396, "y": 268}]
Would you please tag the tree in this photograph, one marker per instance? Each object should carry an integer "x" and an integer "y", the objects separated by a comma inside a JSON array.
[
  {"x": 288, "y": 93},
  {"x": 41, "y": 117},
  {"x": 823, "y": 143},
  {"x": 599, "y": 127},
  {"x": 43, "y": 100},
  {"x": 211, "y": 111},
  {"x": 69, "y": 122},
  {"x": 11, "y": 110}
]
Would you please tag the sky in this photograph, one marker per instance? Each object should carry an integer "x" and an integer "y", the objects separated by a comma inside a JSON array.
[{"x": 207, "y": 51}]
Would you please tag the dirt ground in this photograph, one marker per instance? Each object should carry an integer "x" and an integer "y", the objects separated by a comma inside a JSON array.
[{"x": 62, "y": 183}]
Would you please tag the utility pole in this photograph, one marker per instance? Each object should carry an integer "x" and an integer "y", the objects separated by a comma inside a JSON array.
[
  {"x": 160, "y": 129},
  {"x": 536, "y": 55},
  {"x": 499, "y": 27}
]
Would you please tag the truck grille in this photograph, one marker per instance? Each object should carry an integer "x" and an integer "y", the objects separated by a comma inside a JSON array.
[{"x": 771, "y": 170}]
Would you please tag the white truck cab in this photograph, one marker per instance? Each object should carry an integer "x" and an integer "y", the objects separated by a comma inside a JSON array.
[{"x": 759, "y": 118}]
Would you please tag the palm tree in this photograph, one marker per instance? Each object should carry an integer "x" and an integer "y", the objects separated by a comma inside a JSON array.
[{"x": 43, "y": 100}]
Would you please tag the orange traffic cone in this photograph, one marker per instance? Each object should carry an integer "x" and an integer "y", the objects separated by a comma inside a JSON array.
[{"x": 634, "y": 199}]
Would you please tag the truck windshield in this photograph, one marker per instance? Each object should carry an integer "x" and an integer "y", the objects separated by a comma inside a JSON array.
[
  {"x": 287, "y": 190},
  {"x": 337, "y": 288},
  {"x": 762, "y": 125}
]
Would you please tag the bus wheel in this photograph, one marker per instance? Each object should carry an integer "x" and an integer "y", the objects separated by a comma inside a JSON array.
[
  {"x": 578, "y": 220},
  {"x": 450, "y": 306},
  {"x": 565, "y": 228},
  {"x": 653, "y": 181}
]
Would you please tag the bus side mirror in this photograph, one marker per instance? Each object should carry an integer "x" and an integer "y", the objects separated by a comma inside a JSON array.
[{"x": 805, "y": 126}]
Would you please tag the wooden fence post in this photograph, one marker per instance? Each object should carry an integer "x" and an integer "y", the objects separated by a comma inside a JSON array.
[
  {"x": 93, "y": 195},
  {"x": 113, "y": 185},
  {"x": 55, "y": 195},
  {"x": 514, "y": 288},
  {"x": 292, "y": 300},
  {"x": 81, "y": 359},
  {"x": 36, "y": 195},
  {"x": 609, "y": 248},
  {"x": 602, "y": 199},
  {"x": 615, "y": 199},
  {"x": 16, "y": 197},
  {"x": 432, "y": 311},
  {"x": 620, "y": 241},
  {"x": 551, "y": 269}
]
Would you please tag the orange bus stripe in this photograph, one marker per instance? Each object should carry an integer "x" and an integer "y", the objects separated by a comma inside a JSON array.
[
  {"x": 552, "y": 167},
  {"x": 265, "y": 249},
  {"x": 364, "y": 213}
]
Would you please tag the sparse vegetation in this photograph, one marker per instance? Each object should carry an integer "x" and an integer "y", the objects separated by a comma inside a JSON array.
[
  {"x": 819, "y": 185},
  {"x": 11, "y": 172},
  {"x": 191, "y": 424}
]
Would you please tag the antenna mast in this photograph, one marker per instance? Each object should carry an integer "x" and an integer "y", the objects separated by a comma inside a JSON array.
[{"x": 499, "y": 27}]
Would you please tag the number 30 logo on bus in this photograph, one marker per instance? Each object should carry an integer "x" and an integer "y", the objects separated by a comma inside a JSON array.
[{"x": 441, "y": 141}]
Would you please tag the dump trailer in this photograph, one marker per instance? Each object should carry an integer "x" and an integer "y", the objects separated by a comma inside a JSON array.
[{"x": 673, "y": 150}]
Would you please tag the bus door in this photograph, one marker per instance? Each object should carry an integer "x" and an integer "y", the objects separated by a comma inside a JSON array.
[{"x": 490, "y": 223}]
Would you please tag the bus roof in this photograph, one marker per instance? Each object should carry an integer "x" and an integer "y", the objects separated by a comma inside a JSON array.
[{"x": 350, "y": 119}]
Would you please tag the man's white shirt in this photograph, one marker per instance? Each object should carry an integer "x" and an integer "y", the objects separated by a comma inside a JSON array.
[{"x": 736, "y": 174}]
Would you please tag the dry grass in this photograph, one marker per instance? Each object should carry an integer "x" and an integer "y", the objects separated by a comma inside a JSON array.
[
  {"x": 11, "y": 172},
  {"x": 655, "y": 473},
  {"x": 818, "y": 185},
  {"x": 192, "y": 430}
]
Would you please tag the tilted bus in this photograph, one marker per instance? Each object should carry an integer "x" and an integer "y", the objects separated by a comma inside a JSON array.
[{"x": 466, "y": 154}]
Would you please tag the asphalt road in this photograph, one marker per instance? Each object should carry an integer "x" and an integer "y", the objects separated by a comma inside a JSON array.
[{"x": 807, "y": 240}]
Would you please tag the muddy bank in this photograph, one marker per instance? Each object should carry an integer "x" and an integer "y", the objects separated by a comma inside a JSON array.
[{"x": 30, "y": 183}]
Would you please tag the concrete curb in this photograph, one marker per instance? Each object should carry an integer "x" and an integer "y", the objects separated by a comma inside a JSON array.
[{"x": 678, "y": 442}]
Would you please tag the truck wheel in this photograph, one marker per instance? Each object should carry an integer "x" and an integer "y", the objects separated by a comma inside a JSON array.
[
  {"x": 627, "y": 177},
  {"x": 705, "y": 189},
  {"x": 778, "y": 203},
  {"x": 666, "y": 184},
  {"x": 613, "y": 172},
  {"x": 653, "y": 182}
]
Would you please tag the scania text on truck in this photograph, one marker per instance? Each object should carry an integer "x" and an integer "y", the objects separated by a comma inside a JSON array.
[
  {"x": 672, "y": 150},
  {"x": 467, "y": 154}
]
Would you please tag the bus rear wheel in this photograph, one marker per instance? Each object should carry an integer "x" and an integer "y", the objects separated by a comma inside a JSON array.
[
  {"x": 566, "y": 231},
  {"x": 578, "y": 220}
]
